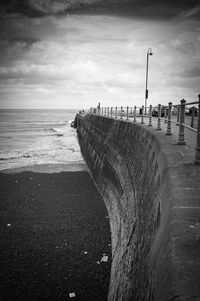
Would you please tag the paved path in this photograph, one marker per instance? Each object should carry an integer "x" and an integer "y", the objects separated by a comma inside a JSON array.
[{"x": 190, "y": 136}]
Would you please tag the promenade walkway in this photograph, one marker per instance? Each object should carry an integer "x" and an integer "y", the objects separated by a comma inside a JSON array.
[{"x": 190, "y": 136}]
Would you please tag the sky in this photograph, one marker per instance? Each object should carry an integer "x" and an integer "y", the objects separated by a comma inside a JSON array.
[{"x": 65, "y": 57}]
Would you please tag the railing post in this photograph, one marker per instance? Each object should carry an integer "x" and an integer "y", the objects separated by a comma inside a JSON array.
[
  {"x": 121, "y": 113},
  {"x": 115, "y": 112},
  {"x": 192, "y": 118},
  {"x": 127, "y": 113},
  {"x": 102, "y": 111},
  {"x": 105, "y": 111},
  {"x": 165, "y": 114},
  {"x": 135, "y": 109},
  {"x": 181, "y": 136},
  {"x": 178, "y": 115},
  {"x": 197, "y": 152},
  {"x": 108, "y": 110},
  {"x": 142, "y": 117},
  {"x": 169, "y": 126},
  {"x": 99, "y": 109},
  {"x": 111, "y": 112},
  {"x": 159, "y": 118},
  {"x": 150, "y": 115}
]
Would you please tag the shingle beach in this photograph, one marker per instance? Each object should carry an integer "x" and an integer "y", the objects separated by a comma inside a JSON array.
[{"x": 55, "y": 236}]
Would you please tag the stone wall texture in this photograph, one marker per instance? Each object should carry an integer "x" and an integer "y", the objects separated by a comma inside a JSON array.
[{"x": 152, "y": 195}]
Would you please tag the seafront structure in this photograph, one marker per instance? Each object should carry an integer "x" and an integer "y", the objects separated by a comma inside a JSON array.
[{"x": 148, "y": 171}]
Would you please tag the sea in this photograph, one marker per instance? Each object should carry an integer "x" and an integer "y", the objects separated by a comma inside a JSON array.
[{"x": 32, "y": 137}]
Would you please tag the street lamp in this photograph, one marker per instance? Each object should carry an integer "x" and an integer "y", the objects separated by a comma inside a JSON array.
[{"x": 147, "y": 69}]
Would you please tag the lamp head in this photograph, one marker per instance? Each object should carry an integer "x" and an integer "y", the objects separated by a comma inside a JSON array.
[{"x": 150, "y": 51}]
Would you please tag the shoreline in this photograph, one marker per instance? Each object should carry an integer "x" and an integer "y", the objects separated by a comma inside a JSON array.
[{"x": 47, "y": 168}]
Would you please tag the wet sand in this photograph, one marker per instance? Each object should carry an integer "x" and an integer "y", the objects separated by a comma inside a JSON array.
[{"x": 54, "y": 232}]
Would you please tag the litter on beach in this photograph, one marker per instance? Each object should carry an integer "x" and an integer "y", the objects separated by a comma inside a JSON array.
[
  {"x": 72, "y": 295},
  {"x": 8, "y": 225},
  {"x": 104, "y": 258},
  {"x": 85, "y": 252}
]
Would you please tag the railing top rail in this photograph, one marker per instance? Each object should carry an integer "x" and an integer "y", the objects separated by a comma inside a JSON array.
[
  {"x": 189, "y": 128},
  {"x": 192, "y": 103},
  {"x": 155, "y": 106},
  {"x": 186, "y": 104}
]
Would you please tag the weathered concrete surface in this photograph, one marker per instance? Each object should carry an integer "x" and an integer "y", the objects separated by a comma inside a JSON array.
[{"x": 153, "y": 200}]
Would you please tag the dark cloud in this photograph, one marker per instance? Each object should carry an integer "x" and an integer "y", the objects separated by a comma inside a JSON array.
[
  {"x": 191, "y": 72},
  {"x": 184, "y": 48},
  {"x": 27, "y": 42},
  {"x": 15, "y": 28},
  {"x": 137, "y": 8}
]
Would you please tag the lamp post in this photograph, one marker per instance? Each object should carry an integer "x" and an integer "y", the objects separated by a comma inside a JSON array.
[{"x": 147, "y": 70}]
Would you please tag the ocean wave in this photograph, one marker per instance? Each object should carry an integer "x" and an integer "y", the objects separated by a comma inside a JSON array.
[
  {"x": 56, "y": 130},
  {"x": 11, "y": 157},
  {"x": 37, "y": 141},
  {"x": 59, "y": 131},
  {"x": 58, "y": 134},
  {"x": 43, "y": 122}
]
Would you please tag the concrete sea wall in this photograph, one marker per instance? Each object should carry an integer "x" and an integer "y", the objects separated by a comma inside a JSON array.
[{"x": 152, "y": 197}]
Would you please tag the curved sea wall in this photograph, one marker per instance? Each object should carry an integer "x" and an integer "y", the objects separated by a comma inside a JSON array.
[{"x": 141, "y": 175}]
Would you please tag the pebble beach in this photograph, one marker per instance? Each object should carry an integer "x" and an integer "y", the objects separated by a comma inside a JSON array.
[{"x": 55, "y": 237}]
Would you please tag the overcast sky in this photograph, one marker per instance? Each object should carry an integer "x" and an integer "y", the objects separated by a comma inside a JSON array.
[{"x": 75, "y": 60}]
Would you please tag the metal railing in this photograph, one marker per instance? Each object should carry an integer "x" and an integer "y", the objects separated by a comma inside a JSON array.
[{"x": 173, "y": 113}]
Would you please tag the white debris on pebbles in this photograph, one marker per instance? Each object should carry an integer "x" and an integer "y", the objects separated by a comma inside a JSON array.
[
  {"x": 104, "y": 258},
  {"x": 72, "y": 295}
]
